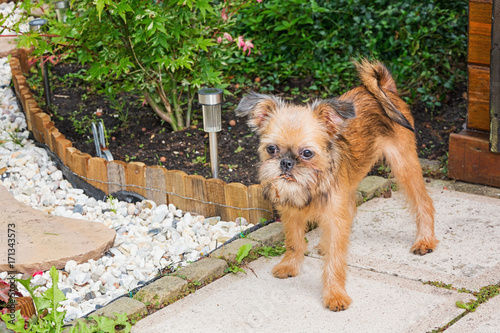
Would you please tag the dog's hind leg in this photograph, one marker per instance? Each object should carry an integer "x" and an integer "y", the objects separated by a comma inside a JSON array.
[{"x": 402, "y": 157}]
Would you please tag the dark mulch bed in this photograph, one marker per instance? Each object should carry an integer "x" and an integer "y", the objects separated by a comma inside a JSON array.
[{"x": 146, "y": 139}]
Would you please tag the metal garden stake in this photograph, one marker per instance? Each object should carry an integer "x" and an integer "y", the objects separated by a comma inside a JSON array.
[
  {"x": 211, "y": 100},
  {"x": 101, "y": 148},
  {"x": 37, "y": 26}
]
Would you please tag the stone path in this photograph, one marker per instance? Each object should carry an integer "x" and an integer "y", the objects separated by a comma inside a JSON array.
[{"x": 386, "y": 281}]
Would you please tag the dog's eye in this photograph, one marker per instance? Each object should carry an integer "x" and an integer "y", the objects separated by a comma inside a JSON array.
[
  {"x": 272, "y": 150},
  {"x": 306, "y": 154}
]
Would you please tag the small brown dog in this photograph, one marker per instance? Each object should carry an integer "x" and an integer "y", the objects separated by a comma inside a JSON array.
[{"x": 313, "y": 158}]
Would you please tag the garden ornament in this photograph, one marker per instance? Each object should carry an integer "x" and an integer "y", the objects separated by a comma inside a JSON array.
[
  {"x": 37, "y": 27},
  {"x": 211, "y": 100},
  {"x": 61, "y": 10}
]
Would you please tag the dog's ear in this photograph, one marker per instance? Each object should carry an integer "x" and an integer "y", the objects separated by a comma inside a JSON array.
[
  {"x": 333, "y": 112},
  {"x": 259, "y": 108}
]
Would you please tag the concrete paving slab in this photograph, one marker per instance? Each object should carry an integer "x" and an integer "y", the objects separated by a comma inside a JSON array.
[
  {"x": 486, "y": 319},
  {"x": 468, "y": 227},
  {"x": 7, "y": 45},
  {"x": 258, "y": 302}
]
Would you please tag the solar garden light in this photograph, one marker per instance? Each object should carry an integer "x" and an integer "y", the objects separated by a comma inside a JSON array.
[
  {"x": 61, "y": 10},
  {"x": 37, "y": 26},
  {"x": 211, "y": 100}
]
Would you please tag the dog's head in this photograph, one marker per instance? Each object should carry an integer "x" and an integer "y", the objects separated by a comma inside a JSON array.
[{"x": 297, "y": 144}]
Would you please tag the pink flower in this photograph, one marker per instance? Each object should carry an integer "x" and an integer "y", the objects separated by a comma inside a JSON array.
[
  {"x": 37, "y": 273},
  {"x": 259, "y": 1},
  {"x": 248, "y": 46},
  {"x": 228, "y": 37},
  {"x": 240, "y": 42},
  {"x": 224, "y": 14},
  {"x": 219, "y": 39}
]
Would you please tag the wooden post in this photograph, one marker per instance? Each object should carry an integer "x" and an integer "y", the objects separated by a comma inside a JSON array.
[
  {"x": 195, "y": 188},
  {"x": 97, "y": 173},
  {"x": 80, "y": 161},
  {"x": 215, "y": 194},
  {"x": 236, "y": 196},
  {"x": 61, "y": 144},
  {"x": 256, "y": 200},
  {"x": 155, "y": 180},
  {"x": 117, "y": 176},
  {"x": 495, "y": 79},
  {"x": 175, "y": 184},
  {"x": 135, "y": 176},
  {"x": 40, "y": 124},
  {"x": 53, "y": 133}
]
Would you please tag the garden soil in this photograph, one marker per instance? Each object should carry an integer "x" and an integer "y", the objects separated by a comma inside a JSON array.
[{"x": 137, "y": 134}]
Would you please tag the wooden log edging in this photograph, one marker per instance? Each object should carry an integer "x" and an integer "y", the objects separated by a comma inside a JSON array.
[{"x": 208, "y": 197}]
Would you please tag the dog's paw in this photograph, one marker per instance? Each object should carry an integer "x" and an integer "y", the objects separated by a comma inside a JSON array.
[
  {"x": 337, "y": 302},
  {"x": 422, "y": 247},
  {"x": 285, "y": 270}
]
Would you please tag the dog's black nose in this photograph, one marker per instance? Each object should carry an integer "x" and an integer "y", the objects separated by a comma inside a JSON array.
[{"x": 287, "y": 164}]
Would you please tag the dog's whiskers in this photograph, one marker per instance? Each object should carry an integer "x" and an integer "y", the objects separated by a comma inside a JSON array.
[{"x": 289, "y": 178}]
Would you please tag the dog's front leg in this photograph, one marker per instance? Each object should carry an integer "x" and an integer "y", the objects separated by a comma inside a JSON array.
[
  {"x": 294, "y": 224},
  {"x": 335, "y": 223}
]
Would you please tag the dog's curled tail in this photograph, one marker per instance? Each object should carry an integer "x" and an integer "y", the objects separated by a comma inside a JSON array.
[{"x": 377, "y": 79}]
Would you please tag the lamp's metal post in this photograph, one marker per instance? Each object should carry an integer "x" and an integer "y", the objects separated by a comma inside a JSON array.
[
  {"x": 211, "y": 100},
  {"x": 214, "y": 155},
  {"x": 37, "y": 26}
]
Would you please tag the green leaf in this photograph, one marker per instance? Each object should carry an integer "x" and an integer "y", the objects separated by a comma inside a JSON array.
[
  {"x": 203, "y": 43},
  {"x": 122, "y": 9},
  {"x": 105, "y": 324},
  {"x": 466, "y": 306},
  {"x": 19, "y": 322},
  {"x": 243, "y": 252},
  {"x": 99, "y": 4}
]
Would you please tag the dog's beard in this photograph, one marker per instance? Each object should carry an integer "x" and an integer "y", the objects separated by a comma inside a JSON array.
[{"x": 293, "y": 188}]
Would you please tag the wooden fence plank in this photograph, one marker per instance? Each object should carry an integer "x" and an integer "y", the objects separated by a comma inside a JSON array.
[
  {"x": 117, "y": 176},
  {"x": 470, "y": 159},
  {"x": 97, "y": 173},
  {"x": 456, "y": 160},
  {"x": 49, "y": 127},
  {"x": 256, "y": 200},
  {"x": 215, "y": 194},
  {"x": 479, "y": 32},
  {"x": 15, "y": 66},
  {"x": 53, "y": 133},
  {"x": 479, "y": 98},
  {"x": 28, "y": 112},
  {"x": 61, "y": 144},
  {"x": 41, "y": 122},
  {"x": 236, "y": 196},
  {"x": 20, "y": 58},
  {"x": 155, "y": 180},
  {"x": 136, "y": 180},
  {"x": 80, "y": 161},
  {"x": 25, "y": 94},
  {"x": 175, "y": 183},
  {"x": 195, "y": 188}
]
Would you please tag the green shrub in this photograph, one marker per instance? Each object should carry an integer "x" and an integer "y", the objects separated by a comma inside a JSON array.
[
  {"x": 165, "y": 50},
  {"x": 423, "y": 43}
]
